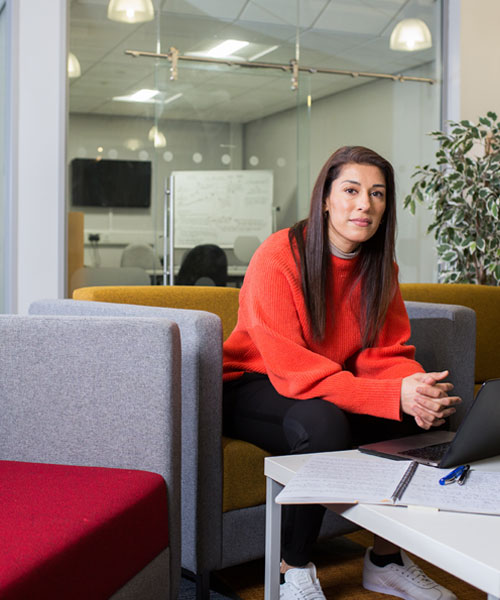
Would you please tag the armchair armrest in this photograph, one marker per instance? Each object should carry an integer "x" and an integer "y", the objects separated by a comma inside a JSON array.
[
  {"x": 445, "y": 338},
  {"x": 94, "y": 391}
]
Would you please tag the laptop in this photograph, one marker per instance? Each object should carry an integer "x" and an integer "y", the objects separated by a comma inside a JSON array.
[{"x": 477, "y": 437}]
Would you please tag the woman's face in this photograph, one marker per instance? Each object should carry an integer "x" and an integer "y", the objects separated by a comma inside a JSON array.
[{"x": 355, "y": 205}]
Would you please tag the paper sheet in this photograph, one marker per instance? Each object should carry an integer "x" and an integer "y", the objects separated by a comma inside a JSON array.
[{"x": 330, "y": 479}]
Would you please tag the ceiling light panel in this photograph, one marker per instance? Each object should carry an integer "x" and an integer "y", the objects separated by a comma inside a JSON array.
[
  {"x": 144, "y": 95},
  {"x": 224, "y": 49}
]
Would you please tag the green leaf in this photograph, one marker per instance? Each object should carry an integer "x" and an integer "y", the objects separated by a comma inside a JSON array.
[
  {"x": 492, "y": 207},
  {"x": 485, "y": 121},
  {"x": 491, "y": 115},
  {"x": 468, "y": 146},
  {"x": 497, "y": 272}
]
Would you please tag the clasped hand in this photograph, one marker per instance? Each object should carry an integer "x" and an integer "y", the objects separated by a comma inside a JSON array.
[{"x": 425, "y": 397}]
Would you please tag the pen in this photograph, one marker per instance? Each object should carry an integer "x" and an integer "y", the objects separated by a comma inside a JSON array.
[
  {"x": 463, "y": 476},
  {"x": 459, "y": 472},
  {"x": 405, "y": 480}
]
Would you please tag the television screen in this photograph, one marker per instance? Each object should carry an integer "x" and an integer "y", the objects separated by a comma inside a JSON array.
[{"x": 111, "y": 183}]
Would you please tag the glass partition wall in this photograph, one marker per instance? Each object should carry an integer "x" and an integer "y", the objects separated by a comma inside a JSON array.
[{"x": 233, "y": 108}]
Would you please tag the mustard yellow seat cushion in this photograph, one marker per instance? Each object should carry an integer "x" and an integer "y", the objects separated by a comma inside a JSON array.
[
  {"x": 244, "y": 481},
  {"x": 222, "y": 301}
]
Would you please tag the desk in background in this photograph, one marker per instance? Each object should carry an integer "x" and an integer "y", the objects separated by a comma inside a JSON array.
[{"x": 235, "y": 275}]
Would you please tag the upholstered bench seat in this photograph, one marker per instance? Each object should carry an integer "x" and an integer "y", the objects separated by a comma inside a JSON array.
[{"x": 77, "y": 532}]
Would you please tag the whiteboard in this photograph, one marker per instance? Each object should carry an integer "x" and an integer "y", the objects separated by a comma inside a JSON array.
[{"x": 219, "y": 206}]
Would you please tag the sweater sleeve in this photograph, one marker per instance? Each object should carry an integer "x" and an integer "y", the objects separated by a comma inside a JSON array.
[
  {"x": 393, "y": 357},
  {"x": 272, "y": 309}
]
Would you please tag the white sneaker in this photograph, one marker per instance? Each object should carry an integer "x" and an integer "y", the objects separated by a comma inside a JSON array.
[
  {"x": 301, "y": 584},
  {"x": 408, "y": 581}
]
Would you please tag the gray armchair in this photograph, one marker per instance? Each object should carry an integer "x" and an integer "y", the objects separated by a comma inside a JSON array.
[
  {"x": 214, "y": 538},
  {"x": 98, "y": 392}
]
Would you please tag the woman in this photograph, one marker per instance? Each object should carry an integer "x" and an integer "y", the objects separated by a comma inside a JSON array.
[{"x": 319, "y": 359}]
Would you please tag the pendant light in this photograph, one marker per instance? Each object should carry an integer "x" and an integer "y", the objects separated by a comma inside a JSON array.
[
  {"x": 410, "y": 35},
  {"x": 157, "y": 137},
  {"x": 131, "y": 11},
  {"x": 74, "y": 69}
]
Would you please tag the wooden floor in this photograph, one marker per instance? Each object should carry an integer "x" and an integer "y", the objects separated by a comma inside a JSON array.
[{"x": 340, "y": 566}]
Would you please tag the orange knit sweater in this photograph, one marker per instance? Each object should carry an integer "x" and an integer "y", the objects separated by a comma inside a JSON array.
[{"x": 273, "y": 337}]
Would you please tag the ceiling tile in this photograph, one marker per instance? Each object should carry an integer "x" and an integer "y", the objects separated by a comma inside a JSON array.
[
  {"x": 217, "y": 9},
  {"x": 357, "y": 16},
  {"x": 284, "y": 12}
]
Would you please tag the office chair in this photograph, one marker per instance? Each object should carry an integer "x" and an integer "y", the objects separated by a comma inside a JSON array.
[
  {"x": 205, "y": 264},
  {"x": 245, "y": 246},
  {"x": 140, "y": 255}
]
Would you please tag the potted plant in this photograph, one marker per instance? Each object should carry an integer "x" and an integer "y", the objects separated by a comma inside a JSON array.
[{"x": 463, "y": 192}]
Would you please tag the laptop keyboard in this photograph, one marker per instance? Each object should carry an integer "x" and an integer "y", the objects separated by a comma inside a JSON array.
[{"x": 434, "y": 452}]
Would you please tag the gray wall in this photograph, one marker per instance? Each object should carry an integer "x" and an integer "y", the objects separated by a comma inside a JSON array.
[{"x": 393, "y": 118}]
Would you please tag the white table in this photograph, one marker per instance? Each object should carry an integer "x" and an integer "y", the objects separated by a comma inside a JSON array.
[{"x": 465, "y": 545}]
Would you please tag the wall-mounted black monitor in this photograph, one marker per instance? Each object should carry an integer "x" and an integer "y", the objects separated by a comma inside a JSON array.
[{"x": 110, "y": 183}]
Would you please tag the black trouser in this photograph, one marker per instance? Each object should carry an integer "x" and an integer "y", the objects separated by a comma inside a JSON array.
[{"x": 256, "y": 413}]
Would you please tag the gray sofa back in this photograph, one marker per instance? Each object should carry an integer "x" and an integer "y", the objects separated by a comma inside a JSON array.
[{"x": 201, "y": 348}]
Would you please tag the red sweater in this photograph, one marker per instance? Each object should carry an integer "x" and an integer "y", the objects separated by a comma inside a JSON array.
[{"x": 273, "y": 337}]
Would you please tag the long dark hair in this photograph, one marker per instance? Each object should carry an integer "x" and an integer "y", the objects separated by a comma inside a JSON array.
[{"x": 375, "y": 265}]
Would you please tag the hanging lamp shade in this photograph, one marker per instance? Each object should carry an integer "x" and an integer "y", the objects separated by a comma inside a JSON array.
[
  {"x": 74, "y": 69},
  {"x": 131, "y": 11},
  {"x": 410, "y": 35},
  {"x": 157, "y": 137}
]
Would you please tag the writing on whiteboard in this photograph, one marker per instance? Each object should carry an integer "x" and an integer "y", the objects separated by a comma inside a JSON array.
[{"x": 219, "y": 206}]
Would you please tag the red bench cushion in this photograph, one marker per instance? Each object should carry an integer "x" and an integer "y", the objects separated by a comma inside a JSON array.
[{"x": 76, "y": 532}]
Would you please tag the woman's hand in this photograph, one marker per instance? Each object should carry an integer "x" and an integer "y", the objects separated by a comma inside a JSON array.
[{"x": 425, "y": 397}]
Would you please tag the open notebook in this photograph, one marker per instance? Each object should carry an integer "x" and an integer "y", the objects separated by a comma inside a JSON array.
[{"x": 334, "y": 478}]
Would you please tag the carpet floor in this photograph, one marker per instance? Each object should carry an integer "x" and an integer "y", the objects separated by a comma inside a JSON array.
[{"x": 340, "y": 565}]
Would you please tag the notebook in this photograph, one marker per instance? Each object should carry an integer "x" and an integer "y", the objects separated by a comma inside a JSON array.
[{"x": 477, "y": 437}]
